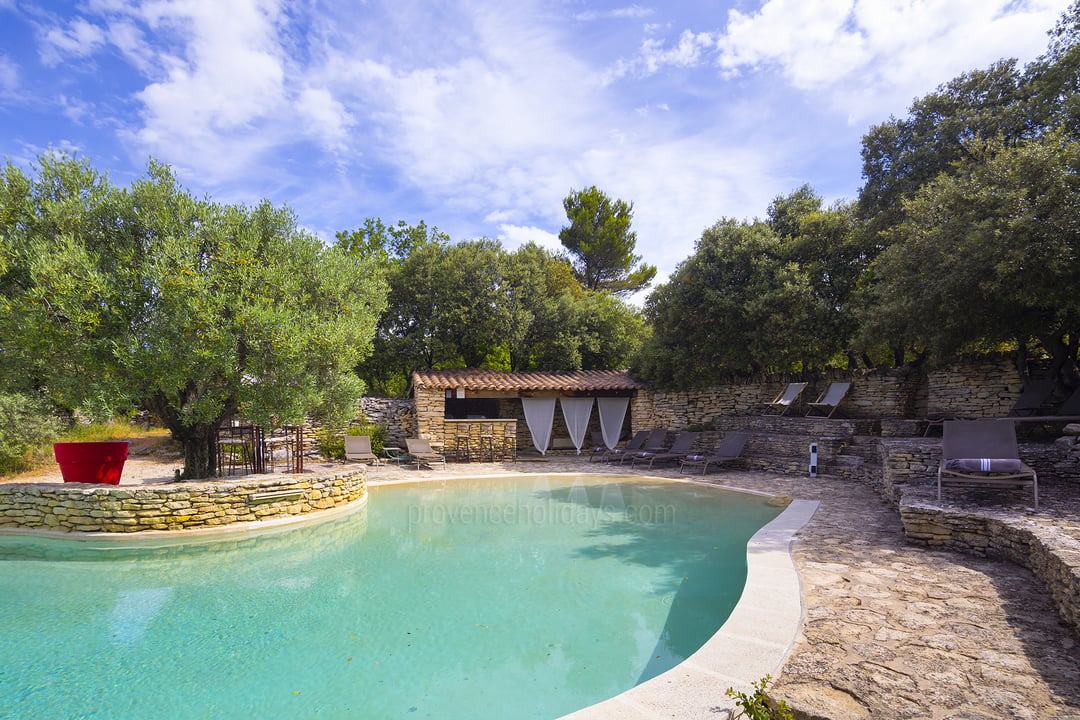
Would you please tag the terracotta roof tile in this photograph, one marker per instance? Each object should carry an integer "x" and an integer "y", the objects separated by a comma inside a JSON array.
[{"x": 576, "y": 380}]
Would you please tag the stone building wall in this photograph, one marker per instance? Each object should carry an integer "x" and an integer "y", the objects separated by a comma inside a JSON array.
[{"x": 77, "y": 507}]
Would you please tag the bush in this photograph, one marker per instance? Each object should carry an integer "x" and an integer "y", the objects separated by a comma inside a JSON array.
[
  {"x": 331, "y": 444},
  {"x": 758, "y": 706},
  {"x": 26, "y": 424}
]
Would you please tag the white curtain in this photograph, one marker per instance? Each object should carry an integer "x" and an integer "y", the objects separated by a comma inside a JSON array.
[
  {"x": 577, "y": 411},
  {"x": 539, "y": 416},
  {"x": 612, "y": 413}
]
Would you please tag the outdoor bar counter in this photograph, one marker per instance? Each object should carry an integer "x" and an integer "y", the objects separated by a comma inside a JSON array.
[{"x": 468, "y": 440}]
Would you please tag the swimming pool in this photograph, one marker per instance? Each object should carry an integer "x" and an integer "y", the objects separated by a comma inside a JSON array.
[{"x": 489, "y": 598}]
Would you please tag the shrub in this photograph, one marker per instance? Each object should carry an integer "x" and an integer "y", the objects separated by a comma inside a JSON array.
[
  {"x": 26, "y": 424},
  {"x": 331, "y": 444},
  {"x": 758, "y": 706}
]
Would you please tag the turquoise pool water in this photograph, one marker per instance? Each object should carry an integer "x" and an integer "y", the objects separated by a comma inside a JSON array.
[{"x": 489, "y": 598}]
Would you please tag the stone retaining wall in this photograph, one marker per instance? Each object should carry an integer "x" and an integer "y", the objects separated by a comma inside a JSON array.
[
  {"x": 988, "y": 388},
  {"x": 397, "y": 414},
  {"x": 180, "y": 506}
]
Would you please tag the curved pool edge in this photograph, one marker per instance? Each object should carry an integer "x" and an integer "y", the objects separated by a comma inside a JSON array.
[{"x": 753, "y": 642}]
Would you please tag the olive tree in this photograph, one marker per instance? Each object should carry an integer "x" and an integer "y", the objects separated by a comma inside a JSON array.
[{"x": 147, "y": 296}]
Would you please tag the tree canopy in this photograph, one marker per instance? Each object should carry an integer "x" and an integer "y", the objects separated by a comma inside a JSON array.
[
  {"x": 147, "y": 296},
  {"x": 601, "y": 243},
  {"x": 473, "y": 304}
]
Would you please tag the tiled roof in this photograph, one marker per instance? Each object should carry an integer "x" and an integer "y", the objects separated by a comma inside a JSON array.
[{"x": 576, "y": 380}]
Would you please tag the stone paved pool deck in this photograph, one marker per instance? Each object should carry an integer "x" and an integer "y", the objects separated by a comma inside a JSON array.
[{"x": 890, "y": 630}]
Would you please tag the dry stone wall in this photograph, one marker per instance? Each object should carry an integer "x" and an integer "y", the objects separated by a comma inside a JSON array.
[
  {"x": 181, "y": 506},
  {"x": 986, "y": 388}
]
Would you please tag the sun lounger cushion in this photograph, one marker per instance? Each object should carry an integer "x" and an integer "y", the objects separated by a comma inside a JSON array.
[{"x": 1001, "y": 465}]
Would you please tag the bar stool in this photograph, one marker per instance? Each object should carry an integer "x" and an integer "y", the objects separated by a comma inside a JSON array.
[
  {"x": 509, "y": 445},
  {"x": 487, "y": 440},
  {"x": 462, "y": 445}
]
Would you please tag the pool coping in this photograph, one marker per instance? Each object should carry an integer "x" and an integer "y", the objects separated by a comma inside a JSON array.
[{"x": 753, "y": 642}]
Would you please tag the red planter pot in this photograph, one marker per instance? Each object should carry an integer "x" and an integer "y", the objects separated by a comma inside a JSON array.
[{"x": 91, "y": 462}]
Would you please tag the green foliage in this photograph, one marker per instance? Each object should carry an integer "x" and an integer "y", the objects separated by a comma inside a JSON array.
[
  {"x": 988, "y": 255},
  {"x": 26, "y": 423},
  {"x": 331, "y": 443},
  {"x": 601, "y": 243},
  {"x": 739, "y": 304},
  {"x": 472, "y": 304},
  {"x": 757, "y": 706},
  {"x": 196, "y": 311}
]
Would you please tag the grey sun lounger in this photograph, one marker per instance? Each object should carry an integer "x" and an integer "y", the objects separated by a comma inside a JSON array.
[
  {"x": 1032, "y": 400},
  {"x": 683, "y": 442},
  {"x": 654, "y": 442},
  {"x": 602, "y": 452},
  {"x": 358, "y": 447},
  {"x": 829, "y": 400},
  {"x": 983, "y": 453},
  {"x": 785, "y": 399},
  {"x": 421, "y": 452},
  {"x": 730, "y": 448}
]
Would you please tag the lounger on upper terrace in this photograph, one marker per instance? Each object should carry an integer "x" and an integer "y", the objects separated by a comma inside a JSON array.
[
  {"x": 1032, "y": 400},
  {"x": 785, "y": 399},
  {"x": 421, "y": 452},
  {"x": 683, "y": 442},
  {"x": 730, "y": 448},
  {"x": 829, "y": 400},
  {"x": 983, "y": 453}
]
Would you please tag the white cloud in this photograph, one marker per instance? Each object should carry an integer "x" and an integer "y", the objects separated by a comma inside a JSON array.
[
  {"x": 328, "y": 118},
  {"x": 216, "y": 105},
  {"x": 859, "y": 56},
  {"x": 514, "y": 236},
  {"x": 9, "y": 76},
  {"x": 79, "y": 39},
  {"x": 631, "y": 11}
]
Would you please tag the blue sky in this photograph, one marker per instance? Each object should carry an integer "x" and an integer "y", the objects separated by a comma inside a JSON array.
[{"x": 479, "y": 116}]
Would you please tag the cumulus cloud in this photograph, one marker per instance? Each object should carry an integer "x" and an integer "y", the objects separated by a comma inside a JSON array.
[{"x": 858, "y": 55}]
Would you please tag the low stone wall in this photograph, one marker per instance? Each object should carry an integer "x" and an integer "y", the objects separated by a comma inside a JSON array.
[{"x": 180, "y": 506}]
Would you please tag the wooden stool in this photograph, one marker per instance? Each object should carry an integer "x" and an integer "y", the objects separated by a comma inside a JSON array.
[{"x": 509, "y": 445}]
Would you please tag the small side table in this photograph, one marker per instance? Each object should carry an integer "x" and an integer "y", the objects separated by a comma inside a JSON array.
[{"x": 394, "y": 454}]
